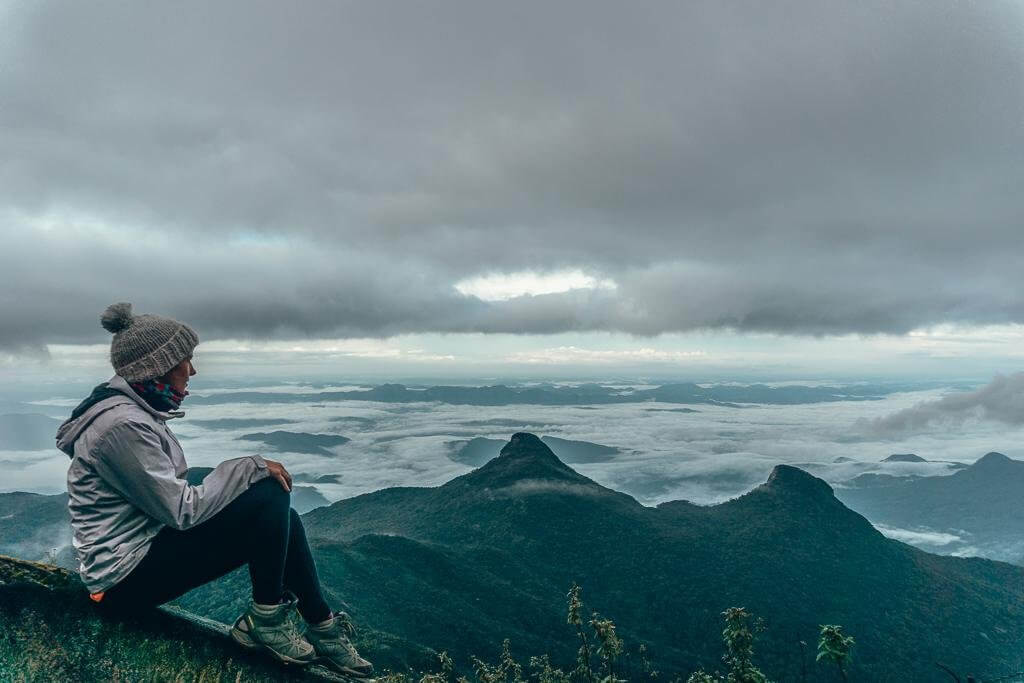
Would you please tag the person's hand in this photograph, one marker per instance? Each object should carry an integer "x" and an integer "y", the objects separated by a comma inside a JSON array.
[{"x": 277, "y": 471}]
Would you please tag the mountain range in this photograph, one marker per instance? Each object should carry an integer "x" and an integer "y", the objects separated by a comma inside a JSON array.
[
  {"x": 491, "y": 555},
  {"x": 979, "y": 506},
  {"x": 297, "y": 442},
  {"x": 583, "y": 394}
]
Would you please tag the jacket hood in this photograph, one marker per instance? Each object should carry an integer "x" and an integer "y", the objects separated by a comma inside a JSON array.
[{"x": 112, "y": 393}]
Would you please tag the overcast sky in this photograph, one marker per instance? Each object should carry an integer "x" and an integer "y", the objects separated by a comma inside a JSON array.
[{"x": 681, "y": 183}]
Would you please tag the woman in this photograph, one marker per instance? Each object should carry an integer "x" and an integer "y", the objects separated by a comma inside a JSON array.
[{"x": 144, "y": 534}]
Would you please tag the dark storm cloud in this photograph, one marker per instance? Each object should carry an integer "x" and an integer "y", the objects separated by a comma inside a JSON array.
[{"x": 799, "y": 167}]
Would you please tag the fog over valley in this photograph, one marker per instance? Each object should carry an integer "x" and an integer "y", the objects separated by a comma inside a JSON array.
[{"x": 704, "y": 451}]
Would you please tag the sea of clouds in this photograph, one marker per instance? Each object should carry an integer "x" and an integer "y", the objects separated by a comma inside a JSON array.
[{"x": 706, "y": 456}]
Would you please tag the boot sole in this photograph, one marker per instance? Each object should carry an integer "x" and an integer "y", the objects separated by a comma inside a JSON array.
[
  {"x": 344, "y": 670},
  {"x": 243, "y": 639}
]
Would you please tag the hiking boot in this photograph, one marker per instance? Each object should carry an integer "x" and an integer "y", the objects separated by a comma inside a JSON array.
[
  {"x": 334, "y": 649},
  {"x": 275, "y": 632}
]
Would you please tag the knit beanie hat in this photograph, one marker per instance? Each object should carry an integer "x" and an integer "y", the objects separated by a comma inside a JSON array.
[{"x": 145, "y": 346}]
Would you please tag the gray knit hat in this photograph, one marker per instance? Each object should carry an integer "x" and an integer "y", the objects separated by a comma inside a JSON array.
[{"x": 145, "y": 346}]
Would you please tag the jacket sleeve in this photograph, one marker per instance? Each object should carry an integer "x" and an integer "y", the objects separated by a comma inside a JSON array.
[{"x": 129, "y": 457}]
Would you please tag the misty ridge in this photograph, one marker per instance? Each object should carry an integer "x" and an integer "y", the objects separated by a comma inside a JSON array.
[
  {"x": 582, "y": 394},
  {"x": 641, "y": 439}
]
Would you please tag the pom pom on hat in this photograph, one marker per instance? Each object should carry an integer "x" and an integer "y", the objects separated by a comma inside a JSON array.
[{"x": 117, "y": 317}]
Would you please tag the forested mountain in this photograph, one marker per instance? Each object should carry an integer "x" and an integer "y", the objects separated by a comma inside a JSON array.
[
  {"x": 490, "y": 555},
  {"x": 980, "y": 505}
]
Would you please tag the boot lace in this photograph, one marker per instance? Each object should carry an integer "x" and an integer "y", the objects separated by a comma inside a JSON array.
[
  {"x": 291, "y": 631},
  {"x": 346, "y": 623},
  {"x": 288, "y": 628}
]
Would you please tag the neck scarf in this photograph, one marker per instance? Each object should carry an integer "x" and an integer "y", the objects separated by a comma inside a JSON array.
[{"x": 159, "y": 395}]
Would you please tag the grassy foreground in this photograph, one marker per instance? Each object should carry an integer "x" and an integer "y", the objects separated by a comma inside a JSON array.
[{"x": 50, "y": 631}]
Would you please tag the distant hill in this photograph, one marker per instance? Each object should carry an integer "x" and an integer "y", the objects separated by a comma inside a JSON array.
[
  {"x": 517, "y": 531},
  {"x": 306, "y": 498},
  {"x": 904, "y": 457},
  {"x": 980, "y": 504},
  {"x": 27, "y": 432},
  {"x": 585, "y": 394},
  {"x": 476, "y": 451},
  {"x": 878, "y": 480},
  {"x": 297, "y": 442},
  {"x": 317, "y": 479},
  {"x": 579, "y": 452}
]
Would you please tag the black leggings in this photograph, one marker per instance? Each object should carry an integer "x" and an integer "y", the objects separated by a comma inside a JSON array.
[{"x": 259, "y": 527}]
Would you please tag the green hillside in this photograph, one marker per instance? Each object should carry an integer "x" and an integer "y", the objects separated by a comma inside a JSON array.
[
  {"x": 980, "y": 504},
  {"x": 490, "y": 555}
]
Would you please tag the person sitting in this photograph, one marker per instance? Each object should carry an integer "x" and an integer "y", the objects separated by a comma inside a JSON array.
[{"x": 146, "y": 529}]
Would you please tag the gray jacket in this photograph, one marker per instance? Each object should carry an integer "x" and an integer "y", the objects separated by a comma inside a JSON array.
[{"x": 125, "y": 485}]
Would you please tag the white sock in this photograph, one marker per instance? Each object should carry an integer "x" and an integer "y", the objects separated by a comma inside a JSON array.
[{"x": 264, "y": 609}]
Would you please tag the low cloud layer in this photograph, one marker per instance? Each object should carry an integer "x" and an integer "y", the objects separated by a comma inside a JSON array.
[
  {"x": 806, "y": 168},
  {"x": 1000, "y": 401},
  {"x": 919, "y": 537},
  {"x": 703, "y": 456}
]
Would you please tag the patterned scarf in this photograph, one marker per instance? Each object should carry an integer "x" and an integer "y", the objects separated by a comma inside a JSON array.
[{"x": 159, "y": 395}]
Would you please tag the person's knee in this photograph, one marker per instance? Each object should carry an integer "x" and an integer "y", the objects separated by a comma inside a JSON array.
[{"x": 270, "y": 492}]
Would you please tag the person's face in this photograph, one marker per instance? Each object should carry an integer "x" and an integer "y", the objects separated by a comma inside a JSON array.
[{"x": 178, "y": 376}]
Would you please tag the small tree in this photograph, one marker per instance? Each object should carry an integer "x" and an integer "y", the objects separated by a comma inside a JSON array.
[
  {"x": 739, "y": 652},
  {"x": 583, "y": 671},
  {"x": 507, "y": 670},
  {"x": 645, "y": 663},
  {"x": 835, "y": 646},
  {"x": 545, "y": 673},
  {"x": 609, "y": 645},
  {"x": 739, "y": 647}
]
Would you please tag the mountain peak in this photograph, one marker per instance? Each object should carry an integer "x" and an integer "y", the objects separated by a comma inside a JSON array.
[
  {"x": 992, "y": 459},
  {"x": 793, "y": 480},
  {"x": 528, "y": 450},
  {"x": 525, "y": 456},
  {"x": 527, "y": 445}
]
